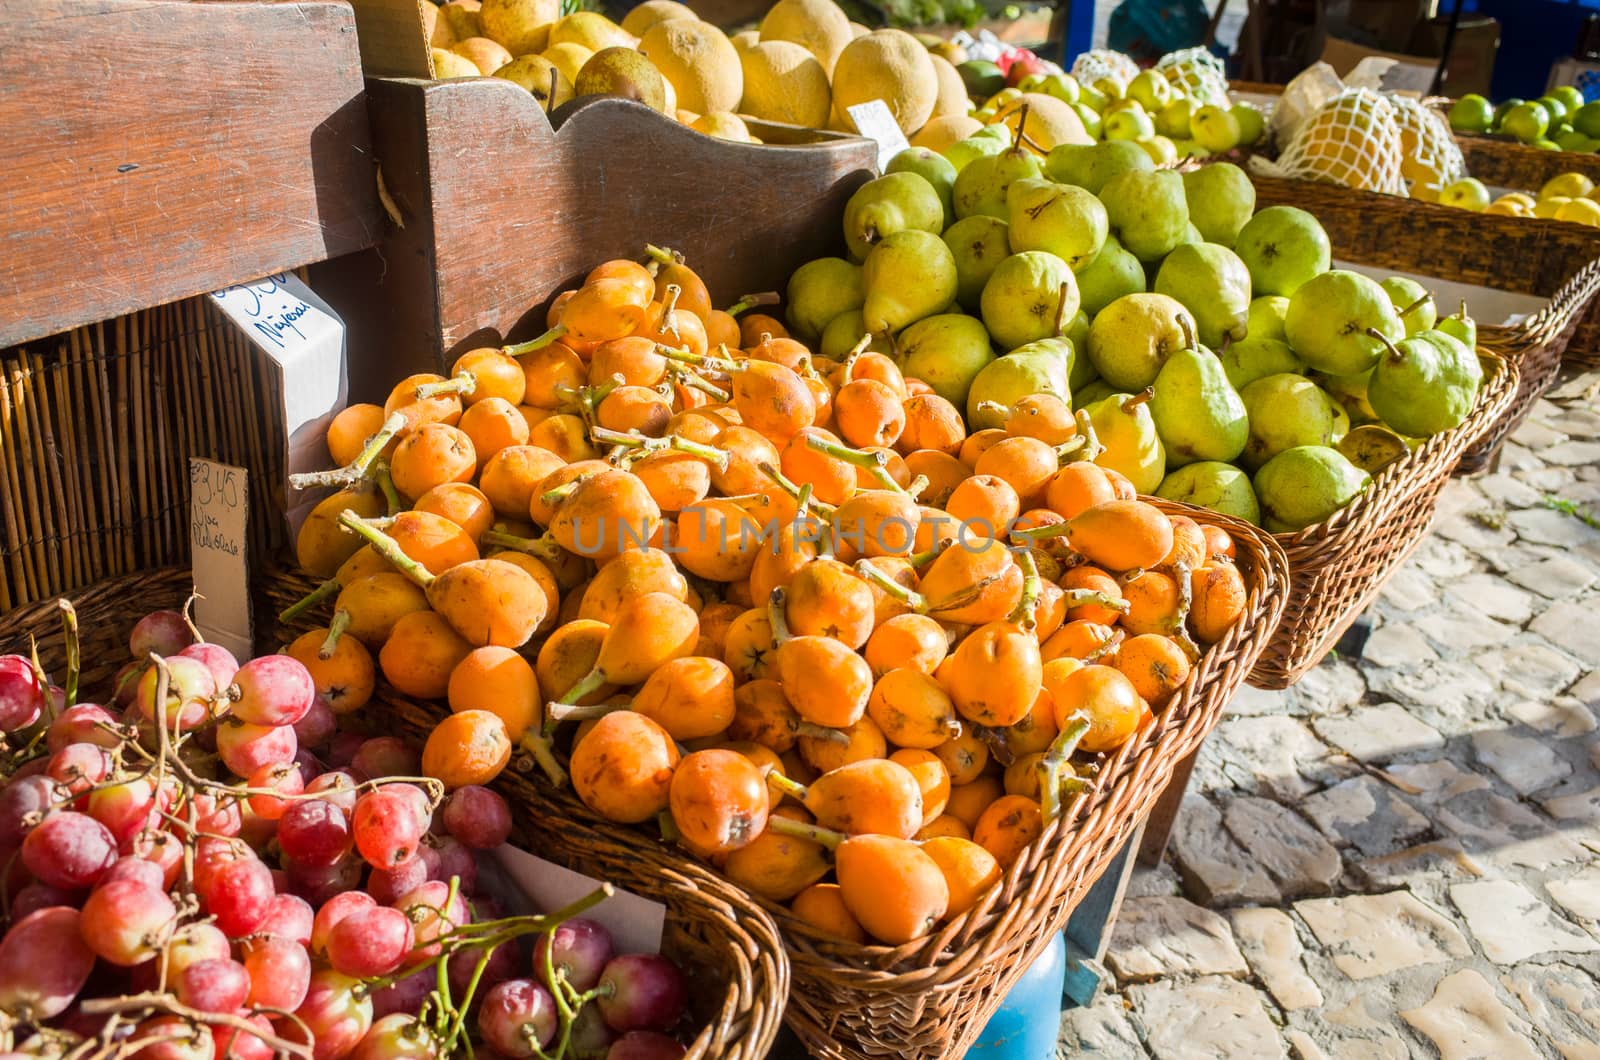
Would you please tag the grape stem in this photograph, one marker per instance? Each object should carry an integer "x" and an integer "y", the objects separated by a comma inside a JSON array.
[{"x": 152, "y": 1002}]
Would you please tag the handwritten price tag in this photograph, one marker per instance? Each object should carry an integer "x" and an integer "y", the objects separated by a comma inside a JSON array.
[
  {"x": 874, "y": 121},
  {"x": 219, "y": 510}
]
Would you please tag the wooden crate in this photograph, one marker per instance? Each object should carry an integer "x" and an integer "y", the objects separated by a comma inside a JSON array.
[
  {"x": 501, "y": 206},
  {"x": 164, "y": 148}
]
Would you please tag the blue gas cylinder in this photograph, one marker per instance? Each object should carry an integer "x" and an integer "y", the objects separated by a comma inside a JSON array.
[{"x": 1027, "y": 1025}]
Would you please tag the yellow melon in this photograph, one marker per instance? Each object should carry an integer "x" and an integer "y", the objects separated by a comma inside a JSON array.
[
  {"x": 784, "y": 82},
  {"x": 890, "y": 65},
  {"x": 819, "y": 26},
  {"x": 699, "y": 61}
]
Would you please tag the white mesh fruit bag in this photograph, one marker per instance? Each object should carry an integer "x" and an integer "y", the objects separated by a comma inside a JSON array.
[
  {"x": 1428, "y": 151},
  {"x": 1091, "y": 66},
  {"x": 1310, "y": 91},
  {"x": 1353, "y": 140},
  {"x": 1197, "y": 74}
]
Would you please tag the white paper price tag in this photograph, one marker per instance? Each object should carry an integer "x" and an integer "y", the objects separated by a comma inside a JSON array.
[
  {"x": 874, "y": 121},
  {"x": 299, "y": 332},
  {"x": 219, "y": 512}
]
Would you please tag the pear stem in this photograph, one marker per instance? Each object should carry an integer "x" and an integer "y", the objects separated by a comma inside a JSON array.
[
  {"x": 1394, "y": 351},
  {"x": 1022, "y": 121},
  {"x": 1187, "y": 327},
  {"x": 1418, "y": 304},
  {"x": 1139, "y": 399},
  {"x": 1061, "y": 310}
]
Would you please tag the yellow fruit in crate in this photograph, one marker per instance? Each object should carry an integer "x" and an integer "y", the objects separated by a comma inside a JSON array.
[
  {"x": 1580, "y": 211},
  {"x": 639, "y": 19},
  {"x": 669, "y": 96},
  {"x": 723, "y": 126},
  {"x": 1419, "y": 172},
  {"x": 1050, "y": 122},
  {"x": 463, "y": 18},
  {"x": 1426, "y": 191},
  {"x": 1352, "y": 140},
  {"x": 1161, "y": 150},
  {"x": 698, "y": 61},
  {"x": 1503, "y": 208},
  {"x": 1466, "y": 194},
  {"x": 520, "y": 26},
  {"x": 447, "y": 65},
  {"x": 435, "y": 27},
  {"x": 952, "y": 97},
  {"x": 1215, "y": 129},
  {"x": 890, "y": 65},
  {"x": 1571, "y": 185},
  {"x": 622, "y": 72},
  {"x": 483, "y": 53},
  {"x": 784, "y": 83},
  {"x": 858, "y": 30},
  {"x": 569, "y": 59},
  {"x": 1520, "y": 198},
  {"x": 940, "y": 133},
  {"x": 593, "y": 31},
  {"x": 539, "y": 76},
  {"x": 1549, "y": 205},
  {"x": 819, "y": 26}
]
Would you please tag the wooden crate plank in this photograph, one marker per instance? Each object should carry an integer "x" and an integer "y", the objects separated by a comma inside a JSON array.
[{"x": 164, "y": 148}]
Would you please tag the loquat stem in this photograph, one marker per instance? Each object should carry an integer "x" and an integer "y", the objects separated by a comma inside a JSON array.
[
  {"x": 1091, "y": 439},
  {"x": 544, "y": 547},
  {"x": 1044, "y": 532},
  {"x": 388, "y": 548},
  {"x": 821, "y": 732},
  {"x": 572, "y": 712},
  {"x": 910, "y": 597},
  {"x": 705, "y": 386},
  {"x": 463, "y": 383},
  {"x": 336, "y": 629},
  {"x": 800, "y": 830},
  {"x": 1180, "y": 617},
  {"x": 750, "y": 301},
  {"x": 385, "y": 480},
  {"x": 778, "y": 616},
  {"x": 584, "y": 685},
  {"x": 719, "y": 458},
  {"x": 792, "y": 788},
  {"x": 876, "y": 462},
  {"x": 698, "y": 360},
  {"x": 1022, "y": 614},
  {"x": 539, "y": 343},
  {"x": 662, "y": 255},
  {"x": 1079, "y": 597},
  {"x": 357, "y": 469},
  {"x": 538, "y": 746},
  {"x": 1056, "y": 766},
  {"x": 823, "y": 508}
]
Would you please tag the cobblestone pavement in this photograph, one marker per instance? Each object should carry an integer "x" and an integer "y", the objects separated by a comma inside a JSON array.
[{"x": 1401, "y": 855}]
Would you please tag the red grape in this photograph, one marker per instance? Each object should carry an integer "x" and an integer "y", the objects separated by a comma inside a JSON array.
[
  {"x": 288, "y": 917},
  {"x": 516, "y": 1015},
  {"x": 144, "y": 873},
  {"x": 334, "y": 910},
  {"x": 645, "y": 1045},
  {"x": 646, "y": 993},
  {"x": 44, "y": 962},
  {"x": 125, "y": 922},
  {"x": 461, "y": 965},
  {"x": 125, "y": 686},
  {"x": 255, "y": 830},
  {"x": 591, "y": 1036},
  {"x": 192, "y": 943},
  {"x": 190, "y": 690},
  {"x": 21, "y": 694},
  {"x": 284, "y": 778},
  {"x": 388, "y": 886},
  {"x": 274, "y": 690},
  {"x": 369, "y": 942},
  {"x": 36, "y": 896},
  {"x": 280, "y": 973},
  {"x": 234, "y": 1044},
  {"x": 318, "y": 883},
  {"x": 83, "y": 723},
  {"x": 336, "y": 1011},
  {"x": 69, "y": 850},
  {"x": 214, "y": 986},
  {"x": 210, "y": 854},
  {"x": 162, "y": 849},
  {"x": 386, "y": 756},
  {"x": 314, "y": 832},
  {"x": 23, "y": 802},
  {"x": 407, "y": 995},
  {"x": 174, "y": 1038},
  {"x": 217, "y": 659},
  {"x": 397, "y": 1036},
  {"x": 477, "y": 817},
  {"x": 335, "y": 786},
  {"x": 245, "y": 748},
  {"x": 579, "y": 949},
  {"x": 343, "y": 747},
  {"x": 125, "y": 807},
  {"x": 432, "y": 914},
  {"x": 385, "y": 827},
  {"x": 215, "y": 814},
  {"x": 318, "y": 726},
  {"x": 456, "y": 862},
  {"x": 159, "y": 633},
  {"x": 238, "y": 895},
  {"x": 79, "y": 767}
]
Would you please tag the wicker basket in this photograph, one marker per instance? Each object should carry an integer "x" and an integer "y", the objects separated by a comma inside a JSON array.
[
  {"x": 1505, "y": 163},
  {"x": 1337, "y": 567},
  {"x": 930, "y": 998},
  {"x": 726, "y": 943},
  {"x": 96, "y": 429},
  {"x": 1550, "y": 259}
]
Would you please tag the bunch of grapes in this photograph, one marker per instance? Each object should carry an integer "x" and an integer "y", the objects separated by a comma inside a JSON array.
[{"x": 205, "y": 868}]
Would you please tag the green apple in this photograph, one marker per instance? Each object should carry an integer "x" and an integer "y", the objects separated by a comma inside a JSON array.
[
  {"x": 1527, "y": 122},
  {"x": 1505, "y": 107},
  {"x": 1130, "y": 123},
  {"x": 1173, "y": 119},
  {"x": 1252, "y": 123},
  {"x": 1570, "y": 96},
  {"x": 1553, "y": 107},
  {"x": 1472, "y": 114},
  {"x": 1468, "y": 193},
  {"x": 1572, "y": 140},
  {"x": 1090, "y": 118},
  {"x": 1062, "y": 86},
  {"x": 1151, "y": 89},
  {"x": 1215, "y": 129},
  {"x": 1587, "y": 120}
]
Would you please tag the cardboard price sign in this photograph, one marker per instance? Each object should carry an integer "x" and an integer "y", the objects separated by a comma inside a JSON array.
[
  {"x": 219, "y": 512},
  {"x": 874, "y": 121}
]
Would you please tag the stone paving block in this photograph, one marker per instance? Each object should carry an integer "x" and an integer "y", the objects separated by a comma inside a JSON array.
[
  {"x": 1378, "y": 733},
  {"x": 1547, "y": 526},
  {"x": 1366, "y": 814},
  {"x": 1154, "y": 937},
  {"x": 1444, "y": 559},
  {"x": 1512, "y": 924},
  {"x": 1449, "y": 695},
  {"x": 1564, "y": 1001},
  {"x": 1565, "y": 717},
  {"x": 1299, "y": 860},
  {"x": 1508, "y": 833},
  {"x": 1578, "y": 894},
  {"x": 1558, "y": 578},
  {"x": 1154, "y": 882},
  {"x": 1505, "y": 490},
  {"x": 1351, "y": 1031},
  {"x": 1408, "y": 589},
  {"x": 1573, "y": 454},
  {"x": 1467, "y": 1021},
  {"x": 1302, "y": 1046},
  {"x": 1437, "y": 781},
  {"x": 1526, "y": 763},
  {"x": 1438, "y": 861},
  {"x": 1571, "y": 626},
  {"x": 1480, "y": 528},
  {"x": 1269, "y": 942},
  {"x": 1459, "y": 629},
  {"x": 1208, "y": 1018},
  {"x": 1580, "y": 807},
  {"x": 1397, "y": 644},
  {"x": 1587, "y": 690},
  {"x": 1514, "y": 457},
  {"x": 1265, "y": 755},
  {"x": 1216, "y": 870},
  {"x": 1372, "y": 935},
  {"x": 1493, "y": 597},
  {"x": 1536, "y": 435},
  {"x": 1102, "y": 1030},
  {"x": 1529, "y": 666}
]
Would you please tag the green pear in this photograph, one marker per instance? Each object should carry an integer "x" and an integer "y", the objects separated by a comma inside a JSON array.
[
  {"x": 1113, "y": 273},
  {"x": 1221, "y": 200},
  {"x": 985, "y": 143},
  {"x": 1091, "y": 166},
  {"x": 1077, "y": 334},
  {"x": 1130, "y": 339},
  {"x": 1151, "y": 89},
  {"x": 1306, "y": 485},
  {"x": 1030, "y": 296},
  {"x": 844, "y": 331},
  {"x": 1214, "y": 485},
  {"x": 1147, "y": 212},
  {"x": 1265, "y": 319},
  {"x": 1328, "y": 319},
  {"x": 1213, "y": 284},
  {"x": 1253, "y": 358},
  {"x": 1099, "y": 390},
  {"x": 980, "y": 243},
  {"x": 1286, "y": 411},
  {"x": 819, "y": 291},
  {"x": 908, "y": 276},
  {"x": 1283, "y": 247},
  {"x": 981, "y": 187},
  {"x": 1172, "y": 121},
  {"x": 947, "y": 352},
  {"x": 1037, "y": 368},
  {"x": 1426, "y": 384},
  {"x": 1197, "y": 413},
  {"x": 1460, "y": 326},
  {"x": 1350, "y": 391},
  {"x": 1413, "y": 302},
  {"x": 932, "y": 167},
  {"x": 889, "y": 204},
  {"x": 1066, "y": 221},
  {"x": 1122, "y": 423}
]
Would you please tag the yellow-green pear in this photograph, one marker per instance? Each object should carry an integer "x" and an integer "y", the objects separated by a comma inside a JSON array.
[
  {"x": 979, "y": 244},
  {"x": 946, "y": 351},
  {"x": 1029, "y": 296},
  {"x": 888, "y": 204},
  {"x": 819, "y": 291},
  {"x": 1130, "y": 339},
  {"x": 907, "y": 276}
]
